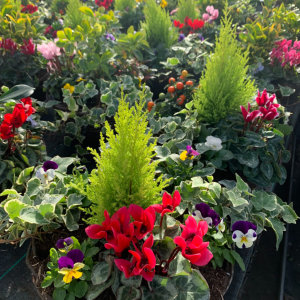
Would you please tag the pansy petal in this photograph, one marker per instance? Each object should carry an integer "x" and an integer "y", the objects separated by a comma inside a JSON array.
[
  {"x": 251, "y": 235},
  {"x": 77, "y": 274},
  {"x": 242, "y": 226},
  {"x": 237, "y": 235},
  {"x": 76, "y": 255},
  {"x": 65, "y": 262},
  {"x": 68, "y": 277},
  {"x": 50, "y": 165},
  {"x": 203, "y": 208},
  {"x": 78, "y": 266}
]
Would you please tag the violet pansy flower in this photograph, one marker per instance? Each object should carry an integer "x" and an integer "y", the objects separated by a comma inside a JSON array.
[
  {"x": 47, "y": 165},
  {"x": 244, "y": 234},
  {"x": 46, "y": 172},
  {"x": 189, "y": 153},
  {"x": 181, "y": 37},
  {"x": 70, "y": 264},
  {"x": 64, "y": 245},
  {"x": 204, "y": 213},
  {"x": 221, "y": 226}
]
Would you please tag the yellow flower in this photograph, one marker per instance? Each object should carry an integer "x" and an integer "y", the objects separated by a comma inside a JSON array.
[
  {"x": 80, "y": 54},
  {"x": 163, "y": 3},
  {"x": 184, "y": 156},
  {"x": 69, "y": 87},
  {"x": 80, "y": 79},
  {"x": 70, "y": 273},
  {"x": 140, "y": 82}
]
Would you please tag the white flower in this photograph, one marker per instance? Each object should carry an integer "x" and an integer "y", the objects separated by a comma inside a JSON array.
[
  {"x": 198, "y": 217},
  {"x": 214, "y": 143},
  {"x": 244, "y": 240},
  {"x": 221, "y": 226},
  {"x": 43, "y": 176}
]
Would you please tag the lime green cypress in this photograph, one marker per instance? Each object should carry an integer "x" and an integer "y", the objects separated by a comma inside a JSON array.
[
  {"x": 126, "y": 171},
  {"x": 225, "y": 85}
]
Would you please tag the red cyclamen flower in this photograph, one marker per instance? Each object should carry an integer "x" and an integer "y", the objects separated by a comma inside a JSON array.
[
  {"x": 6, "y": 127},
  {"x": 30, "y": 8},
  {"x": 269, "y": 114},
  {"x": 9, "y": 44},
  {"x": 29, "y": 110},
  {"x": 28, "y": 47},
  {"x": 178, "y": 24},
  {"x": 249, "y": 117},
  {"x": 18, "y": 115},
  {"x": 143, "y": 220},
  {"x": 196, "y": 24},
  {"x": 143, "y": 263},
  {"x": 192, "y": 229},
  {"x": 169, "y": 203},
  {"x": 264, "y": 99}
]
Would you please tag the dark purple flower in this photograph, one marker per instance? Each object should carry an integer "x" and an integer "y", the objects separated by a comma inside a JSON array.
[
  {"x": 243, "y": 226},
  {"x": 61, "y": 243},
  {"x": 204, "y": 212},
  {"x": 181, "y": 37},
  {"x": 47, "y": 165},
  {"x": 73, "y": 257},
  {"x": 200, "y": 36}
]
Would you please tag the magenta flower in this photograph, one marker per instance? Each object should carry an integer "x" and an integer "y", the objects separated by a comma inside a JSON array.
[
  {"x": 49, "y": 51},
  {"x": 28, "y": 47},
  {"x": 249, "y": 117}
]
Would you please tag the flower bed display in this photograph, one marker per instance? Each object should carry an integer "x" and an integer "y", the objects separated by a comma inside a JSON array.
[{"x": 173, "y": 113}]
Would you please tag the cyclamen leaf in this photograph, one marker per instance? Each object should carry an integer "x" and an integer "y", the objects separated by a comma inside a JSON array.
[
  {"x": 128, "y": 293},
  {"x": 134, "y": 281},
  {"x": 100, "y": 273}
]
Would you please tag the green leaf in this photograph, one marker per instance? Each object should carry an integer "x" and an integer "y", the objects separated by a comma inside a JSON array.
[
  {"x": 71, "y": 128},
  {"x": 69, "y": 221},
  {"x": 13, "y": 208},
  {"x": 179, "y": 266},
  {"x": 278, "y": 228},
  {"x": 86, "y": 10},
  {"x": 255, "y": 139},
  {"x": 46, "y": 208},
  {"x": 289, "y": 215},
  {"x": 238, "y": 259},
  {"x": 134, "y": 281},
  {"x": 91, "y": 252},
  {"x": 17, "y": 92},
  {"x": 162, "y": 288},
  {"x": 240, "y": 184},
  {"x": 128, "y": 293},
  {"x": 47, "y": 282},
  {"x": 58, "y": 282},
  {"x": 227, "y": 255},
  {"x": 197, "y": 182},
  {"x": 285, "y": 156},
  {"x": 286, "y": 91},
  {"x": 191, "y": 287},
  {"x": 74, "y": 200},
  {"x": 250, "y": 159},
  {"x": 80, "y": 289},
  {"x": 164, "y": 247},
  {"x": 70, "y": 296},
  {"x": 162, "y": 152},
  {"x": 53, "y": 255},
  {"x": 9, "y": 192},
  {"x": 95, "y": 290},
  {"x": 138, "y": 54},
  {"x": 262, "y": 200},
  {"x": 24, "y": 175},
  {"x": 267, "y": 169},
  {"x": 173, "y": 61},
  {"x": 63, "y": 163},
  {"x": 59, "y": 294},
  {"x": 235, "y": 197},
  {"x": 32, "y": 215},
  {"x": 100, "y": 273}
]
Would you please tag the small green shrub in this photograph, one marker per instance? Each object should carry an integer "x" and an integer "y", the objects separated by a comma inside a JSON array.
[
  {"x": 158, "y": 26},
  {"x": 125, "y": 171},
  {"x": 225, "y": 85},
  {"x": 123, "y": 5},
  {"x": 74, "y": 16},
  {"x": 187, "y": 8}
]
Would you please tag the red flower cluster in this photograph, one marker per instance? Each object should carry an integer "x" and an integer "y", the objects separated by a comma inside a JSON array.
[
  {"x": 8, "y": 44},
  {"x": 28, "y": 47},
  {"x": 29, "y": 9},
  {"x": 189, "y": 26},
  {"x": 105, "y": 3},
  {"x": 119, "y": 232},
  {"x": 15, "y": 120},
  {"x": 285, "y": 53},
  {"x": 50, "y": 30},
  {"x": 178, "y": 24}
]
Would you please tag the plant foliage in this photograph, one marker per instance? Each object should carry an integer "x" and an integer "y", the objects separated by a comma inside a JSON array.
[
  {"x": 186, "y": 8},
  {"x": 225, "y": 85},
  {"x": 125, "y": 172}
]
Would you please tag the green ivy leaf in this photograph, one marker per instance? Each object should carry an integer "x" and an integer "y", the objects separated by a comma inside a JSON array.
[
  {"x": 262, "y": 200},
  {"x": 240, "y": 184},
  {"x": 179, "y": 266},
  {"x": 278, "y": 228}
]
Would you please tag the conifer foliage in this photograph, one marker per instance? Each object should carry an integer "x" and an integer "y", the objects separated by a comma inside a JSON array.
[
  {"x": 225, "y": 85},
  {"x": 126, "y": 172}
]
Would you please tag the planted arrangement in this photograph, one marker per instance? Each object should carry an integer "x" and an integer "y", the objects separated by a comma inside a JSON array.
[{"x": 178, "y": 111}]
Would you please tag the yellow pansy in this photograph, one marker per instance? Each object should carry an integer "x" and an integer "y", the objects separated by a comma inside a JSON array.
[
  {"x": 80, "y": 79},
  {"x": 69, "y": 87},
  {"x": 184, "y": 156},
  {"x": 70, "y": 273},
  {"x": 163, "y": 3}
]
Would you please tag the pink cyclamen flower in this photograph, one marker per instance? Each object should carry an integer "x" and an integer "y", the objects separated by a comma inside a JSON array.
[
  {"x": 169, "y": 203},
  {"x": 249, "y": 117},
  {"x": 173, "y": 11},
  {"x": 193, "y": 228},
  {"x": 205, "y": 17},
  {"x": 269, "y": 114},
  {"x": 210, "y": 9},
  {"x": 49, "y": 51}
]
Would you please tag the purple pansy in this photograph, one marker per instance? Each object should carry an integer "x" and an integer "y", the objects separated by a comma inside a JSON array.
[
  {"x": 62, "y": 243},
  {"x": 181, "y": 37},
  {"x": 244, "y": 234},
  {"x": 49, "y": 165},
  {"x": 191, "y": 151},
  {"x": 73, "y": 257},
  {"x": 205, "y": 213},
  {"x": 109, "y": 36},
  {"x": 200, "y": 36}
]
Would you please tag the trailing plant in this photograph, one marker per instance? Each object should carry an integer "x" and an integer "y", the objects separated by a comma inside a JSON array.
[
  {"x": 47, "y": 204},
  {"x": 125, "y": 171},
  {"x": 187, "y": 8},
  {"x": 225, "y": 85},
  {"x": 158, "y": 26},
  {"x": 70, "y": 268}
]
